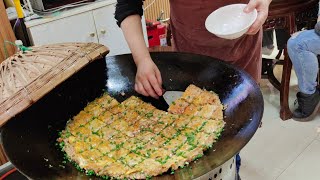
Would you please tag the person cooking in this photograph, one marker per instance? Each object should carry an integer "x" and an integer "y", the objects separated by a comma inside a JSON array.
[{"x": 190, "y": 35}]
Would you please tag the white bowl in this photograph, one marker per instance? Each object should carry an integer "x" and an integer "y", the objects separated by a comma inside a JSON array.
[{"x": 230, "y": 22}]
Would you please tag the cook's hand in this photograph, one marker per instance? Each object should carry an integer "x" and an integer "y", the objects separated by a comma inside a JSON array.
[
  {"x": 262, "y": 7},
  {"x": 148, "y": 79}
]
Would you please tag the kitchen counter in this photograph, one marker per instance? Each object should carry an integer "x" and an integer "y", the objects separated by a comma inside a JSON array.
[
  {"x": 93, "y": 22},
  {"x": 69, "y": 12}
]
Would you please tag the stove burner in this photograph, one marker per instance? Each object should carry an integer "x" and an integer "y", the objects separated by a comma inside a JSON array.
[
  {"x": 226, "y": 171},
  {"x": 9, "y": 172}
]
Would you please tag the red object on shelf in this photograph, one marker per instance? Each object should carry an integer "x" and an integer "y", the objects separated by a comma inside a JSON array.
[{"x": 156, "y": 33}]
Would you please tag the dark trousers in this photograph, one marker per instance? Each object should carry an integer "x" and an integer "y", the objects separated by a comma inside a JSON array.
[
  {"x": 281, "y": 36},
  {"x": 238, "y": 164}
]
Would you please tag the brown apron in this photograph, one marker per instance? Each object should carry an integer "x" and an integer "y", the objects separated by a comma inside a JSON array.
[{"x": 190, "y": 35}]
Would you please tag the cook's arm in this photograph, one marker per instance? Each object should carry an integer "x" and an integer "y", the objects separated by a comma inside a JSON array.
[
  {"x": 128, "y": 15},
  {"x": 148, "y": 78}
]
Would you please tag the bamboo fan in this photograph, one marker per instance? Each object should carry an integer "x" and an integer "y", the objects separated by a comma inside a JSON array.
[{"x": 26, "y": 77}]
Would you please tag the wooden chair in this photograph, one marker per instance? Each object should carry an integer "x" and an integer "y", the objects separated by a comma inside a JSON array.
[{"x": 318, "y": 78}]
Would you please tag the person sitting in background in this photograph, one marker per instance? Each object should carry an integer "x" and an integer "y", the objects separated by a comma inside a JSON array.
[{"x": 303, "y": 49}]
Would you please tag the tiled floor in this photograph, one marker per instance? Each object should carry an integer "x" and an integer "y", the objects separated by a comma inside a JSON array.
[{"x": 282, "y": 150}]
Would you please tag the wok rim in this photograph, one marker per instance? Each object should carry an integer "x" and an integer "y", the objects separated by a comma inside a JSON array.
[{"x": 255, "y": 125}]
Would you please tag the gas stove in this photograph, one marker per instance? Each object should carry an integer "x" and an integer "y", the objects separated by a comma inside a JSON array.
[{"x": 8, "y": 172}]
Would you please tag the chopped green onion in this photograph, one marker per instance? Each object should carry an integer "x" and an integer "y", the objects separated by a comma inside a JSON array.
[
  {"x": 90, "y": 173},
  {"x": 61, "y": 144},
  {"x": 149, "y": 115}
]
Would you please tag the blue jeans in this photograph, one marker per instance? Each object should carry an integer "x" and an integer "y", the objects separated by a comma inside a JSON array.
[{"x": 303, "y": 50}]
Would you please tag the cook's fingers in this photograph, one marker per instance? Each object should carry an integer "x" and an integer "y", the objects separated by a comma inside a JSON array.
[
  {"x": 256, "y": 26},
  {"x": 250, "y": 6},
  {"x": 155, "y": 85},
  {"x": 140, "y": 89},
  {"x": 149, "y": 89},
  {"x": 158, "y": 76}
]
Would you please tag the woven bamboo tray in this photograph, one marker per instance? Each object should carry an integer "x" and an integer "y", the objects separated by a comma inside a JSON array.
[{"x": 26, "y": 77}]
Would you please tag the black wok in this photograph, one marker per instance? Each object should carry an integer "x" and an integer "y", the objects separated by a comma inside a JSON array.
[{"x": 29, "y": 138}]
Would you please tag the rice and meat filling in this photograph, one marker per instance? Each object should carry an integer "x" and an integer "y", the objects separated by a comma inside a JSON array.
[{"x": 134, "y": 140}]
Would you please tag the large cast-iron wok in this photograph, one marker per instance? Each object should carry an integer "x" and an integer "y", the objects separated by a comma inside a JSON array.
[{"x": 29, "y": 139}]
